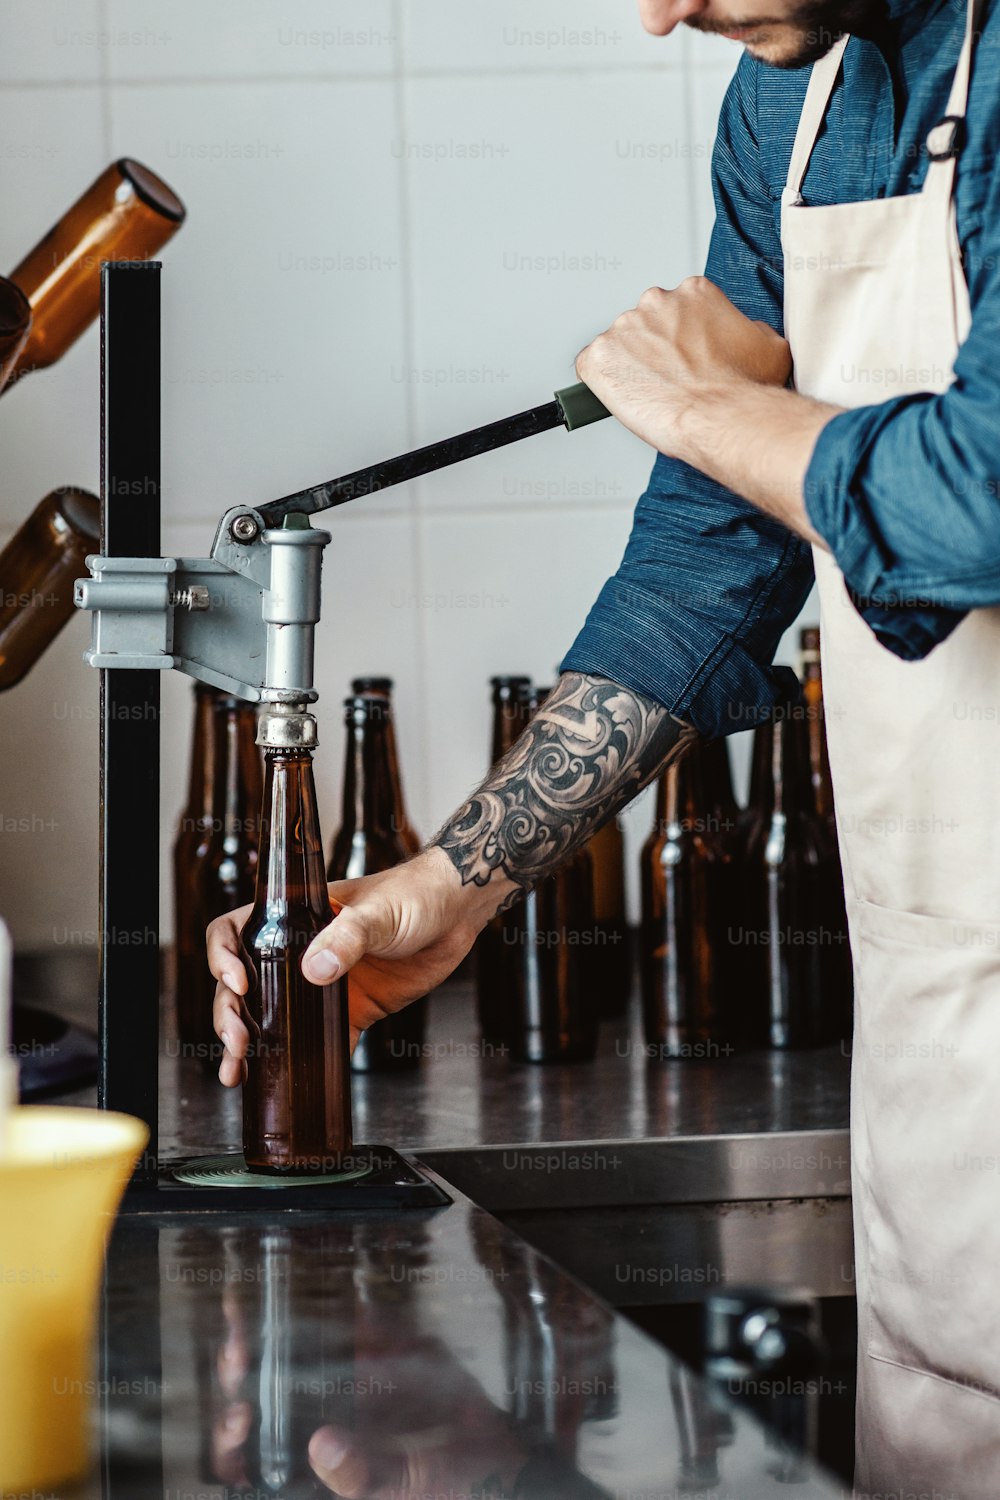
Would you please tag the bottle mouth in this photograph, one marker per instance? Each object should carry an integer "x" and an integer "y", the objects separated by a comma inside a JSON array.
[
  {"x": 287, "y": 726},
  {"x": 153, "y": 191},
  {"x": 15, "y": 310}
]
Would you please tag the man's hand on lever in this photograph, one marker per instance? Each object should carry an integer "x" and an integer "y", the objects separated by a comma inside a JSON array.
[
  {"x": 584, "y": 755},
  {"x": 695, "y": 378}
]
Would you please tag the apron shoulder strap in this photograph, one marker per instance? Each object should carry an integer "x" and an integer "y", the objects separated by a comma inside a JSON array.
[
  {"x": 822, "y": 81},
  {"x": 944, "y": 143}
]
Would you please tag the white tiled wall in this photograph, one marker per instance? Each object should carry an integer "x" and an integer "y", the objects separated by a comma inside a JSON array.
[{"x": 405, "y": 218}]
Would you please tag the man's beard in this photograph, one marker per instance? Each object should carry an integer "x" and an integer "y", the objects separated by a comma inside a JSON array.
[{"x": 815, "y": 25}]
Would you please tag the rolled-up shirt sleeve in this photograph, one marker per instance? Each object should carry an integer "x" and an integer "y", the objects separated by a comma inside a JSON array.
[
  {"x": 707, "y": 586},
  {"x": 906, "y": 493}
]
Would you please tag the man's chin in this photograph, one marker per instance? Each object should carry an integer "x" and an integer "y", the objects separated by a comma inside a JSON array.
[{"x": 788, "y": 47}]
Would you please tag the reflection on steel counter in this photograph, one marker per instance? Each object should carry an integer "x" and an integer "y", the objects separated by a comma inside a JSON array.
[{"x": 431, "y": 1354}]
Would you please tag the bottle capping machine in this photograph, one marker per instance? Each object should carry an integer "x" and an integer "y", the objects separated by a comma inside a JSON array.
[{"x": 242, "y": 620}]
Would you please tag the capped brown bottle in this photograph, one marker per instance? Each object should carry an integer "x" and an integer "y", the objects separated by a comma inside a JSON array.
[
  {"x": 494, "y": 968},
  {"x": 128, "y": 213},
  {"x": 225, "y": 874},
  {"x": 686, "y": 899},
  {"x": 297, "y": 1097},
  {"x": 38, "y": 568},
  {"x": 194, "y": 986},
  {"x": 550, "y": 935},
  {"x": 15, "y": 322},
  {"x": 789, "y": 878},
  {"x": 381, "y": 687},
  {"x": 369, "y": 841}
]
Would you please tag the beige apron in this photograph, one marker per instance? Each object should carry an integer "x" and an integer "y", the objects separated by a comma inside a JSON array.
[{"x": 876, "y": 304}]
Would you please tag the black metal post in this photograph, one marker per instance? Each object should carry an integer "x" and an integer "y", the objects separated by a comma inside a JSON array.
[{"x": 130, "y": 707}]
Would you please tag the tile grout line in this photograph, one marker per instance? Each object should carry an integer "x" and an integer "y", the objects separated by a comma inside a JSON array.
[
  {"x": 431, "y": 75},
  {"x": 104, "y": 73},
  {"x": 404, "y": 209}
]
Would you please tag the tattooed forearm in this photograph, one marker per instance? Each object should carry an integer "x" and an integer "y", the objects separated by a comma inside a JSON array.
[{"x": 590, "y": 748}]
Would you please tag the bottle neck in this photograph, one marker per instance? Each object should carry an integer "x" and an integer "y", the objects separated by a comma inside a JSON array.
[
  {"x": 290, "y": 872},
  {"x": 680, "y": 797},
  {"x": 791, "y": 781},
  {"x": 369, "y": 802},
  {"x": 510, "y": 715},
  {"x": 719, "y": 794},
  {"x": 201, "y": 776},
  {"x": 236, "y": 812},
  {"x": 762, "y": 769}
]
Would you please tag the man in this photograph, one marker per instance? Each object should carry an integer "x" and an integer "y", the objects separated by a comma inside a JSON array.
[{"x": 855, "y": 250}]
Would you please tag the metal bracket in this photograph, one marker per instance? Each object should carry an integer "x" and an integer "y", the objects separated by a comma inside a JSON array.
[{"x": 241, "y": 620}]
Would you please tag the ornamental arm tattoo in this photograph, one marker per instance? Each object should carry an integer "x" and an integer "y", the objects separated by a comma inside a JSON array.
[{"x": 589, "y": 750}]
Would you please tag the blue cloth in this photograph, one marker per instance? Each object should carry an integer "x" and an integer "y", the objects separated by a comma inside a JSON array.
[{"x": 906, "y": 490}]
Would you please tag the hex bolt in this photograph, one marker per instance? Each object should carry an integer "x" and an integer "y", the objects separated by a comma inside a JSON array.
[{"x": 244, "y": 529}]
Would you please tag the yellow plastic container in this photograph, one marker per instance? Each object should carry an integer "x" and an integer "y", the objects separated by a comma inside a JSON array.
[{"x": 62, "y": 1174}]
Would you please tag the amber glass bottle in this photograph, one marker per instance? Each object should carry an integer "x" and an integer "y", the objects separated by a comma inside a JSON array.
[
  {"x": 839, "y": 956},
  {"x": 720, "y": 799},
  {"x": 127, "y": 214},
  {"x": 368, "y": 841},
  {"x": 611, "y": 969},
  {"x": 381, "y": 687},
  {"x": 790, "y": 877},
  {"x": 15, "y": 321},
  {"x": 494, "y": 962},
  {"x": 297, "y": 1097},
  {"x": 193, "y": 982},
  {"x": 686, "y": 897},
  {"x": 553, "y": 1009},
  {"x": 811, "y": 674},
  {"x": 38, "y": 568},
  {"x": 225, "y": 873}
]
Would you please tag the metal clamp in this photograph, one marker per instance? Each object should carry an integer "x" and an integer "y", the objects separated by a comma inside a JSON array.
[{"x": 242, "y": 620}]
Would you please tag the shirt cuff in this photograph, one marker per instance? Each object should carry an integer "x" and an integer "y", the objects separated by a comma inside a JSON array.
[
  {"x": 834, "y": 493},
  {"x": 835, "y": 503},
  {"x": 714, "y": 684}
]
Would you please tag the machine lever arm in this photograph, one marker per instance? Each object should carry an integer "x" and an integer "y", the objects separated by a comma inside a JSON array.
[{"x": 575, "y": 406}]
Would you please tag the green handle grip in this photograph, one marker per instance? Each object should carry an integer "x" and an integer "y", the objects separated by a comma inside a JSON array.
[{"x": 580, "y": 407}]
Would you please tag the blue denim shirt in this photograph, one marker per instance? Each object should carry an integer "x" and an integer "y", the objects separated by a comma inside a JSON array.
[{"x": 906, "y": 490}]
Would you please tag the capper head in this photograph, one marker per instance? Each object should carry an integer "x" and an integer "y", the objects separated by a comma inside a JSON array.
[{"x": 286, "y": 726}]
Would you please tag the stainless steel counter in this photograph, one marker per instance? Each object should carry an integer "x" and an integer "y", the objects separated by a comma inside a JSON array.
[{"x": 443, "y": 1341}]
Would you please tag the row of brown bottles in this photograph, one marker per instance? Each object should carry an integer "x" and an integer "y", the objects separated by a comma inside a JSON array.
[
  {"x": 744, "y": 934},
  {"x": 215, "y": 851},
  {"x": 537, "y": 979},
  {"x": 375, "y": 834}
]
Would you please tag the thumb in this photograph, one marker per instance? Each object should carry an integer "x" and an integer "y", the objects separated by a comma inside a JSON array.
[
  {"x": 338, "y": 1463},
  {"x": 355, "y": 931}
]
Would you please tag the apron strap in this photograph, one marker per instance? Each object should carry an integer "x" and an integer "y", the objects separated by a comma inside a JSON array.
[
  {"x": 822, "y": 81},
  {"x": 944, "y": 142}
]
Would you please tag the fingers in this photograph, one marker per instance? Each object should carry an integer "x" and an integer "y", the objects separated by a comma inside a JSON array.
[
  {"x": 338, "y": 1464},
  {"x": 231, "y": 1029},
  {"x": 223, "y": 939},
  {"x": 352, "y": 933}
]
